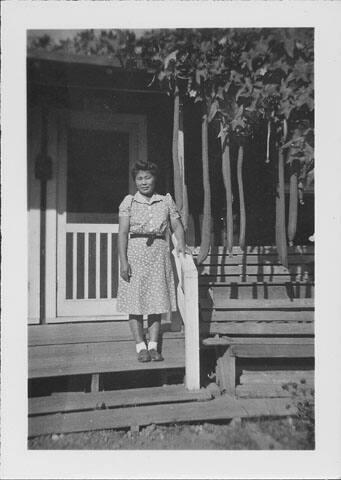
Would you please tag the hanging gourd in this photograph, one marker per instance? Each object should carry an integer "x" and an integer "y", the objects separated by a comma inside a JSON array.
[
  {"x": 226, "y": 170},
  {"x": 181, "y": 163},
  {"x": 293, "y": 203},
  {"x": 175, "y": 152},
  {"x": 242, "y": 219},
  {"x": 206, "y": 221},
  {"x": 281, "y": 240}
]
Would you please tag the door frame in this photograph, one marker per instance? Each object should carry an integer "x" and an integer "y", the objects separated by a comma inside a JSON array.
[{"x": 61, "y": 119}]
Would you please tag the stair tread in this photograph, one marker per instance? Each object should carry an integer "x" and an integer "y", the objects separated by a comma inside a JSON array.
[
  {"x": 77, "y": 401},
  {"x": 218, "y": 300}
]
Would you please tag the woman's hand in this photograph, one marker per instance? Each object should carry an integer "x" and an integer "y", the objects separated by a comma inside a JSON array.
[
  {"x": 182, "y": 249},
  {"x": 125, "y": 271}
]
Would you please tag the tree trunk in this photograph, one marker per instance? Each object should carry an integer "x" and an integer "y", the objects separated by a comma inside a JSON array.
[
  {"x": 175, "y": 152},
  {"x": 226, "y": 169},
  {"x": 281, "y": 240},
  {"x": 207, "y": 220},
  {"x": 293, "y": 206},
  {"x": 241, "y": 198}
]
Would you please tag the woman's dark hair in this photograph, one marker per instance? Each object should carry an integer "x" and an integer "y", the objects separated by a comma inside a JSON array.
[{"x": 146, "y": 167}]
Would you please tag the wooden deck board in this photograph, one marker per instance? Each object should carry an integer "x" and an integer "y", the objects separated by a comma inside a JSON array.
[
  {"x": 94, "y": 332},
  {"x": 259, "y": 291},
  {"x": 277, "y": 377},
  {"x": 214, "y": 279},
  {"x": 222, "y": 408},
  {"x": 68, "y": 402},
  {"x": 274, "y": 350},
  {"x": 262, "y": 390},
  {"x": 254, "y": 259},
  {"x": 220, "y": 301},
  {"x": 90, "y": 358},
  {"x": 258, "y": 250},
  {"x": 209, "y": 315},
  {"x": 256, "y": 341},
  {"x": 257, "y": 328},
  {"x": 257, "y": 270}
]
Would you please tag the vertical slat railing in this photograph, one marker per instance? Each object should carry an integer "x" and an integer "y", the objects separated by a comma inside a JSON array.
[
  {"x": 188, "y": 304},
  {"x": 109, "y": 250},
  {"x": 86, "y": 265},
  {"x": 74, "y": 265},
  {"x": 98, "y": 264}
]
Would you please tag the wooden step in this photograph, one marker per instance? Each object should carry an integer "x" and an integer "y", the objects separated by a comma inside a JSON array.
[
  {"x": 211, "y": 315},
  {"x": 257, "y": 250},
  {"x": 277, "y": 377},
  {"x": 256, "y": 328},
  {"x": 69, "y": 402},
  {"x": 275, "y": 349},
  {"x": 237, "y": 341},
  {"x": 262, "y": 290},
  {"x": 222, "y": 259},
  {"x": 221, "y": 408},
  {"x": 263, "y": 390},
  {"x": 219, "y": 300},
  {"x": 214, "y": 279},
  {"x": 92, "y": 358},
  {"x": 256, "y": 270}
]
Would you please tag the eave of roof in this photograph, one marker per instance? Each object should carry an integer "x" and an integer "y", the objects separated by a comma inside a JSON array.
[
  {"x": 58, "y": 70},
  {"x": 98, "y": 60}
]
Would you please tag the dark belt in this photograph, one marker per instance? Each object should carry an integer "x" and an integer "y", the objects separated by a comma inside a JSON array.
[{"x": 150, "y": 236}]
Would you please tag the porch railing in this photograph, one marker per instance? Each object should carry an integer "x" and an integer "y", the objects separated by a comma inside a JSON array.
[{"x": 188, "y": 305}]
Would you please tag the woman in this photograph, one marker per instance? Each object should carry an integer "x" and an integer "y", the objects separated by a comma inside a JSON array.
[{"x": 146, "y": 285}]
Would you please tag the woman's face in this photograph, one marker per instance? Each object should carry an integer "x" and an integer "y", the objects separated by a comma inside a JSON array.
[{"x": 145, "y": 182}]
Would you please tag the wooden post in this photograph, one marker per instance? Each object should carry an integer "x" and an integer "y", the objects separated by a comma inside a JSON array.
[
  {"x": 188, "y": 305},
  {"x": 192, "y": 328}
]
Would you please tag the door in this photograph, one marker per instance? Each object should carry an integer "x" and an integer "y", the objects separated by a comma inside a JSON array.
[{"x": 96, "y": 155}]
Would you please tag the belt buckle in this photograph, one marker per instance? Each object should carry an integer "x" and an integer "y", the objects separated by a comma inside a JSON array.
[{"x": 151, "y": 239}]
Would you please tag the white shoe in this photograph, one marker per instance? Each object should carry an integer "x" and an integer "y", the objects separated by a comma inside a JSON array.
[{"x": 312, "y": 238}]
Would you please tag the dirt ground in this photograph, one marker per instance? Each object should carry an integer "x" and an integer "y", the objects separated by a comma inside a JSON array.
[{"x": 260, "y": 434}]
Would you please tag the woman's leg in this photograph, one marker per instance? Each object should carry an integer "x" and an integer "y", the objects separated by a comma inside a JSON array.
[
  {"x": 136, "y": 327},
  {"x": 154, "y": 322}
]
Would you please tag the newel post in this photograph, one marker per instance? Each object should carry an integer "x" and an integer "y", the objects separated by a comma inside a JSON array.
[{"x": 192, "y": 347}]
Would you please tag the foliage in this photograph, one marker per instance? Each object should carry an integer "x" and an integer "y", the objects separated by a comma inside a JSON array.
[
  {"x": 302, "y": 397},
  {"x": 242, "y": 75}
]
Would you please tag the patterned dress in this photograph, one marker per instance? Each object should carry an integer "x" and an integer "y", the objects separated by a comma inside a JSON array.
[{"x": 151, "y": 287}]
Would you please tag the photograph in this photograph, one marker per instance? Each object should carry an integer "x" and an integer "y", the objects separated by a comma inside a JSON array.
[
  {"x": 170, "y": 180},
  {"x": 170, "y": 249}
]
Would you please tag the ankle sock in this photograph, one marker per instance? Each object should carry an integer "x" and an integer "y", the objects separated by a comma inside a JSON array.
[
  {"x": 140, "y": 346},
  {"x": 152, "y": 345}
]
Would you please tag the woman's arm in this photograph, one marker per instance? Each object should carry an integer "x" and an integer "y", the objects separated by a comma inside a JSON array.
[
  {"x": 123, "y": 231},
  {"x": 179, "y": 233}
]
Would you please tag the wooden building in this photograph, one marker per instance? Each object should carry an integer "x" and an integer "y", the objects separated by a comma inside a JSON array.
[{"x": 88, "y": 122}]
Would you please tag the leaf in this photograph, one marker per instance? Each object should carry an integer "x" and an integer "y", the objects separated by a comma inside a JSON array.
[
  {"x": 199, "y": 74},
  {"x": 220, "y": 93},
  {"x": 213, "y": 110},
  {"x": 171, "y": 56},
  {"x": 289, "y": 44}
]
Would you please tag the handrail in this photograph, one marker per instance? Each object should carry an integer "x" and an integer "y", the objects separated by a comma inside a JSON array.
[{"x": 188, "y": 304}]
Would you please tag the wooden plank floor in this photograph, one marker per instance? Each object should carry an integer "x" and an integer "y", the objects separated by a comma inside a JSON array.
[
  {"x": 100, "y": 357},
  {"x": 222, "y": 408},
  {"x": 76, "y": 401}
]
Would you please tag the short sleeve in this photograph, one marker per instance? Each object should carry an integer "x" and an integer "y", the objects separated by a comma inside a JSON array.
[
  {"x": 173, "y": 211},
  {"x": 125, "y": 206}
]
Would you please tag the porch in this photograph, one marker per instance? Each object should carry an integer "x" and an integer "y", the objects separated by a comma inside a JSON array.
[{"x": 248, "y": 333}]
